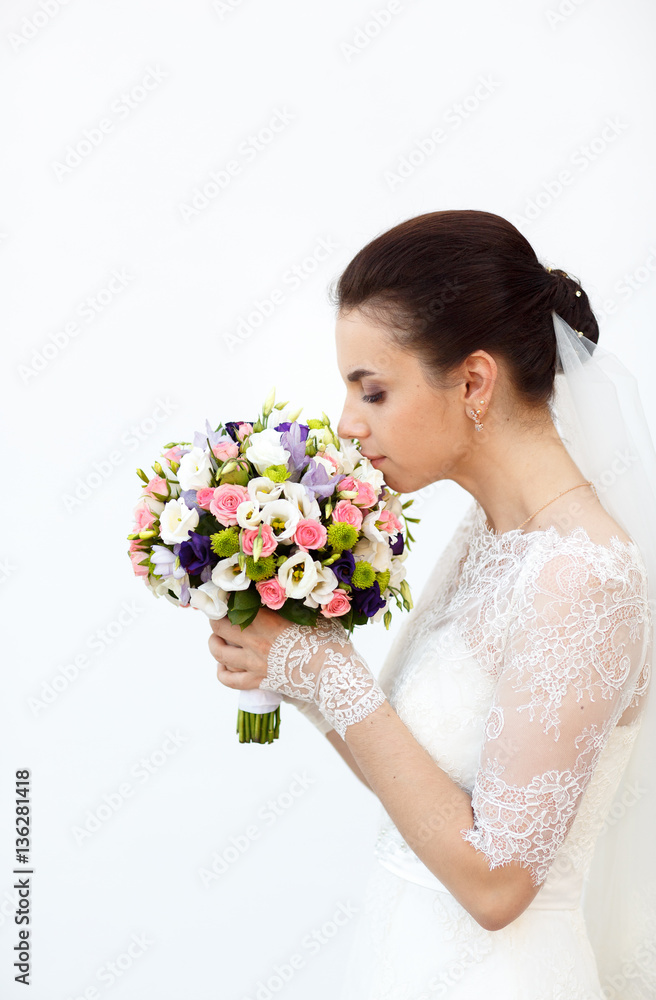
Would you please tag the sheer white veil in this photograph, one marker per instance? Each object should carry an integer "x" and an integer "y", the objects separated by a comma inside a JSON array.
[{"x": 598, "y": 413}]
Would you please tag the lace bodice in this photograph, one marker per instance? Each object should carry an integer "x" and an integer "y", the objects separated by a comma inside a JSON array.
[{"x": 522, "y": 655}]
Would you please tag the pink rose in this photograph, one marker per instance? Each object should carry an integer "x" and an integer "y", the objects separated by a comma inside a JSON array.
[
  {"x": 244, "y": 430},
  {"x": 223, "y": 450},
  {"x": 366, "y": 495},
  {"x": 338, "y": 604},
  {"x": 172, "y": 455},
  {"x": 272, "y": 593},
  {"x": 345, "y": 511},
  {"x": 388, "y": 522},
  {"x": 143, "y": 517},
  {"x": 204, "y": 497},
  {"x": 269, "y": 541},
  {"x": 136, "y": 556},
  {"x": 157, "y": 485},
  {"x": 310, "y": 534},
  {"x": 227, "y": 498}
]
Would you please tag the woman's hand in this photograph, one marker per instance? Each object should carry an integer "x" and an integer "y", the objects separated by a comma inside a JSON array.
[{"x": 242, "y": 655}]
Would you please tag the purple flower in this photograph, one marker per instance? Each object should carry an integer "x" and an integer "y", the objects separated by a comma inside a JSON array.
[
  {"x": 317, "y": 481},
  {"x": 200, "y": 438},
  {"x": 398, "y": 545},
  {"x": 163, "y": 560},
  {"x": 369, "y": 600},
  {"x": 185, "y": 594},
  {"x": 293, "y": 441},
  {"x": 189, "y": 497},
  {"x": 344, "y": 566},
  {"x": 286, "y": 425},
  {"x": 196, "y": 553}
]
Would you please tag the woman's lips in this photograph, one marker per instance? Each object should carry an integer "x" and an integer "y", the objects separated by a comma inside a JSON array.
[{"x": 379, "y": 458}]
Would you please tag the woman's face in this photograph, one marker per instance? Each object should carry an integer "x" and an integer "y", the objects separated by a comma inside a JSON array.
[{"x": 415, "y": 434}]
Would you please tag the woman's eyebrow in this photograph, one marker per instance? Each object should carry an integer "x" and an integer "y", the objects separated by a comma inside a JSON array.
[{"x": 359, "y": 373}]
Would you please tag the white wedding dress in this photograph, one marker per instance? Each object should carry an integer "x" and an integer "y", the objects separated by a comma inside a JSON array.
[{"x": 522, "y": 670}]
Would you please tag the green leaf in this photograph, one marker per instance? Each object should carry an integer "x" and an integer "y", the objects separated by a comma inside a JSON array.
[
  {"x": 241, "y": 617},
  {"x": 207, "y": 525},
  {"x": 296, "y": 611},
  {"x": 246, "y": 599}
]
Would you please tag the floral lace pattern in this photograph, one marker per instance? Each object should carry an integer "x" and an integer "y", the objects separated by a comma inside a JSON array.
[
  {"x": 317, "y": 663},
  {"x": 573, "y": 657}
]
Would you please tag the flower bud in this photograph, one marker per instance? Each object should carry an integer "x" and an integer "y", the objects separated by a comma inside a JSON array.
[
  {"x": 268, "y": 402},
  {"x": 142, "y": 475},
  {"x": 295, "y": 414},
  {"x": 405, "y": 594},
  {"x": 158, "y": 468}
]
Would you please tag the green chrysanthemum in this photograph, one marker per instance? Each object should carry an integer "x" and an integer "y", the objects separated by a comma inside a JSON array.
[
  {"x": 260, "y": 570},
  {"x": 363, "y": 575},
  {"x": 277, "y": 473},
  {"x": 225, "y": 543},
  {"x": 342, "y": 535},
  {"x": 315, "y": 425},
  {"x": 383, "y": 580}
]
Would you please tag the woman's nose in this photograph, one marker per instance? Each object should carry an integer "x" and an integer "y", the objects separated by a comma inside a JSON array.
[{"x": 351, "y": 426}]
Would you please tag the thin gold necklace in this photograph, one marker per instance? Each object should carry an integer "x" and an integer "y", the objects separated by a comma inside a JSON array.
[{"x": 589, "y": 483}]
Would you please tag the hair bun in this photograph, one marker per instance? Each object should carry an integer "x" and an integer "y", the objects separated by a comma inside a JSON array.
[{"x": 570, "y": 301}]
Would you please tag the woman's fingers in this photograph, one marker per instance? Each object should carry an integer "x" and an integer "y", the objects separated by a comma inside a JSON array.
[
  {"x": 234, "y": 658},
  {"x": 239, "y": 680}
]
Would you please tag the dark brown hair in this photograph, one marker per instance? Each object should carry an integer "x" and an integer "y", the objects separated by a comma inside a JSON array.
[{"x": 445, "y": 284}]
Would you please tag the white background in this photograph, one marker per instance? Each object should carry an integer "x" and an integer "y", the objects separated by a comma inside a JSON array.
[{"x": 358, "y": 98}]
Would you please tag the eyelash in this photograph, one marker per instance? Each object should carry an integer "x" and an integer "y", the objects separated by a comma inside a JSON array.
[{"x": 373, "y": 398}]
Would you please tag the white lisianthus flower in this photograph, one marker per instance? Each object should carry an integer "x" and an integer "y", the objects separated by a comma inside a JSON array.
[
  {"x": 265, "y": 449},
  {"x": 210, "y": 599},
  {"x": 349, "y": 455},
  {"x": 369, "y": 474},
  {"x": 162, "y": 588},
  {"x": 323, "y": 590},
  {"x": 248, "y": 514},
  {"x": 262, "y": 489},
  {"x": 398, "y": 570},
  {"x": 177, "y": 521},
  {"x": 160, "y": 585},
  {"x": 195, "y": 471},
  {"x": 228, "y": 576},
  {"x": 379, "y": 554},
  {"x": 298, "y": 574},
  {"x": 283, "y": 516},
  {"x": 307, "y": 504},
  {"x": 369, "y": 529}
]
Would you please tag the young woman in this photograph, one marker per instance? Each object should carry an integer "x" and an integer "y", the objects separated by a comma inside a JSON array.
[{"x": 508, "y": 707}]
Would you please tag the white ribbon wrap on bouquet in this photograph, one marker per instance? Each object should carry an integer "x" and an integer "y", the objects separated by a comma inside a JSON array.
[{"x": 259, "y": 701}]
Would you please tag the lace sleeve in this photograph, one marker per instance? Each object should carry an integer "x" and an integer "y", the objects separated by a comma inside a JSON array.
[
  {"x": 571, "y": 668},
  {"x": 317, "y": 663}
]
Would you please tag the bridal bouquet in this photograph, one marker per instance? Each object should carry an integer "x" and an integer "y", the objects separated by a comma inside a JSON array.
[{"x": 288, "y": 516}]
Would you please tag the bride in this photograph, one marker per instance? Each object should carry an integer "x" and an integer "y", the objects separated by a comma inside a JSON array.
[{"x": 505, "y": 722}]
